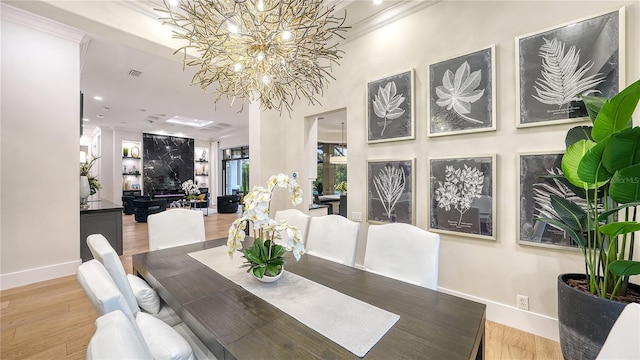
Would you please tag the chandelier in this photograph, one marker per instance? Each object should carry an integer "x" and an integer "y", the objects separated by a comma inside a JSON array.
[{"x": 272, "y": 51}]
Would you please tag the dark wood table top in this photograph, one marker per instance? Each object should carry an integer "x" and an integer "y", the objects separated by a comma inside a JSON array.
[{"x": 235, "y": 324}]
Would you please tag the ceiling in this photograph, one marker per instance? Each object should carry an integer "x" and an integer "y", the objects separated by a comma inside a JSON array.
[{"x": 159, "y": 88}]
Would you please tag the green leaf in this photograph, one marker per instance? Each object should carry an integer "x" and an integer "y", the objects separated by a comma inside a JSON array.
[
  {"x": 571, "y": 160},
  {"x": 606, "y": 214},
  {"x": 570, "y": 213},
  {"x": 593, "y": 104},
  {"x": 277, "y": 251},
  {"x": 620, "y": 228},
  {"x": 259, "y": 272},
  {"x": 625, "y": 185},
  {"x": 591, "y": 170},
  {"x": 615, "y": 114},
  {"x": 578, "y": 133},
  {"x": 272, "y": 270},
  {"x": 622, "y": 150},
  {"x": 577, "y": 237},
  {"x": 625, "y": 267}
]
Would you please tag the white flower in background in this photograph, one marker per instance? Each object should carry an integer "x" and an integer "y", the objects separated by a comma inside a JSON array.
[
  {"x": 256, "y": 210},
  {"x": 190, "y": 189}
]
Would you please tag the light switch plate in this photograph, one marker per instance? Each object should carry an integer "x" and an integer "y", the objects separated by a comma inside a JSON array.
[{"x": 356, "y": 216}]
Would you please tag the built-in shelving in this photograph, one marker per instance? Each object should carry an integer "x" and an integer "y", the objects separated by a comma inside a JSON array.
[
  {"x": 131, "y": 165},
  {"x": 201, "y": 167}
]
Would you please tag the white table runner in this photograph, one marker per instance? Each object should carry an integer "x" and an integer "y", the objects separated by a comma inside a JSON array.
[{"x": 349, "y": 322}]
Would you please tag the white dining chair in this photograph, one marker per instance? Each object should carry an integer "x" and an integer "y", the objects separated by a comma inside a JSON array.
[
  {"x": 137, "y": 293},
  {"x": 403, "y": 252},
  {"x": 117, "y": 339},
  {"x": 175, "y": 227},
  {"x": 296, "y": 218},
  {"x": 162, "y": 340},
  {"x": 333, "y": 237},
  {"x": 623, "y": 341}
]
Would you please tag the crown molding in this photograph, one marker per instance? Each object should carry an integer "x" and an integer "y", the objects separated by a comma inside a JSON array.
[
  {"x": 40, "y": 23},
  {"x": 386, "y": 17}
]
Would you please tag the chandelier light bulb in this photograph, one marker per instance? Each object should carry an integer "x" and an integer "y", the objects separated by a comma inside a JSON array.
[{"x": 296, "y": 63}]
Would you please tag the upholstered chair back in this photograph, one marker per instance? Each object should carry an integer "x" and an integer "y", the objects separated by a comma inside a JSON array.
[
  {"x": 116, "y": 339},
  {"x": 104, "y": 252},
  {"x": 333, "y": 237},
  {"x": 175, "y": 227},
  {"x": 295, "y": 218},
  {"x": 403, "y": 252}
]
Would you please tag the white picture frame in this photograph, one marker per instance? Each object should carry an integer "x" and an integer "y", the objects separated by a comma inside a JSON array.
[
  {"x": 469, "y": 210},
  {"x": 390, "y": 191},
  {"x": 448, "y": 114},
  {"x": 540, "y": 99},
  {"x": 391, "y": 108}
]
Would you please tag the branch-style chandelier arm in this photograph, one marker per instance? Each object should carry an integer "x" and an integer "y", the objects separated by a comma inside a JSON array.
[{"x": 274, "y": 51}]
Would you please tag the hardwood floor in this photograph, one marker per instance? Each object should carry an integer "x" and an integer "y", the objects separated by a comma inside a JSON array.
[{"x": 54, "y": 320}]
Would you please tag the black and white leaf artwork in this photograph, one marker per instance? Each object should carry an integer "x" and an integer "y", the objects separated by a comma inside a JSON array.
[
  {"x": 459, "y": 91},
  {"x": 557, "y": 66},
  {"x": 562, "y": 81},
  {"x": 387, "y": 104},
  {"x": 462, "y": 94},
  {"x": 390, "y": 114},
  {"x": 389, "y": 184}
]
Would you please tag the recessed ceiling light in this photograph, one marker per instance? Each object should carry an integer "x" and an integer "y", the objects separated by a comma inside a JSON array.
[
  {"x": 85, "y": 119},
  {"x": 377, "y": 2},
  {"x": 173, "y": 2},
  {"x": 99, "y": 116},
  {"x": 183, "y": 120},
  {"x": 97, "y": 97},
  {"x": 106, "y": 108}
]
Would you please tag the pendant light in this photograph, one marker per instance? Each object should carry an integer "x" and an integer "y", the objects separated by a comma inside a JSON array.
[{"x": 341, "y": 160}]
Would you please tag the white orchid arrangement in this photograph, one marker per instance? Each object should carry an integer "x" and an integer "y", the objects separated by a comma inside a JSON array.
[
  {"x": 265, "y": 257},
  {"x": 190, "y": 189}
]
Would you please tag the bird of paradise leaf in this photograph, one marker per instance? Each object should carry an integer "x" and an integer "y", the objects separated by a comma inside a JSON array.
[
  {"x": 458, "y": 91},
  {"x": 389, "y": 184},
  {"x": 562, "y": 81},
  {"x": 386, "y": 104}
]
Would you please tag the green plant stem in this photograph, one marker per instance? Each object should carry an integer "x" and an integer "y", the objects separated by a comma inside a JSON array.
[{"x": 591, "y": 260}]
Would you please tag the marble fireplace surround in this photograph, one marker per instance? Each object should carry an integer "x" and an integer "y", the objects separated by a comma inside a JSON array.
[{"x": 168, "y": 162}]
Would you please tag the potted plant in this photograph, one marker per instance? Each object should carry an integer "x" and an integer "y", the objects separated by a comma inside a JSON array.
[
  {"x": 341, "y": 187},
  {"x": 265, "y": 258},
  {"x": 602, "y": 164},
  {"x": 85, "y": 170}
]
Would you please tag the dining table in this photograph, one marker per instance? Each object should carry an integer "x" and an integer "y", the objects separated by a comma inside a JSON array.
[{"x": 235, "y": 323}]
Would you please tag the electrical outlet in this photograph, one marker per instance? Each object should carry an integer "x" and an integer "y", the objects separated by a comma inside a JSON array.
[
  {"x": 523, "y": 302},
  {"x": 356, "y": 216}
]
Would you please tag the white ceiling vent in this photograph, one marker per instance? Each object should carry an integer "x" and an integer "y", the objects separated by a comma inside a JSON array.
[{"x": 135, "y": 73}]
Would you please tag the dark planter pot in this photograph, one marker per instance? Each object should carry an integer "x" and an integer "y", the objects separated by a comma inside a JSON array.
[{"x": 584, "y": 319}]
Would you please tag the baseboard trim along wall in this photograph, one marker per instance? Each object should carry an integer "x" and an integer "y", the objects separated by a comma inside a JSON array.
[
  {"x": 528, "y": 321},
  {"x": 30, "y": 276}
]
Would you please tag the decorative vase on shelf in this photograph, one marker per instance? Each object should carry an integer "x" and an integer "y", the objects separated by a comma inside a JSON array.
[
  {"x": 135, "y": 152},
  {"x": 85, "y": 191}
]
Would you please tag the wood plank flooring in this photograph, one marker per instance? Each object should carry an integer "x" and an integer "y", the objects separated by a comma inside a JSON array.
[{"x": 54, "y": 320}]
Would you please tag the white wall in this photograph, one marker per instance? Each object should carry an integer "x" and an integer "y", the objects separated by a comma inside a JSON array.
[
  {"x": 40, "y": 224},
  {"x": 493, "y": 272}
]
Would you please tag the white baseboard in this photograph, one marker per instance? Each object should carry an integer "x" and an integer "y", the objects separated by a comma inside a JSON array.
[
  {"x": 528, "y": 321},
  {"x": 30, "y": 276}
]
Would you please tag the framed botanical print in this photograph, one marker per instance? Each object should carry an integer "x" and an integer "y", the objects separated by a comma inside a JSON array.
[
  {"x": 390, "y": 108},
  {"x": 462, "y": 196},
  {"x": 390, "y": 191},
  {"x": 462, "y": 94},
  {"x": 537, "y": 181},
  {"x": 557, "y": 66}
]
